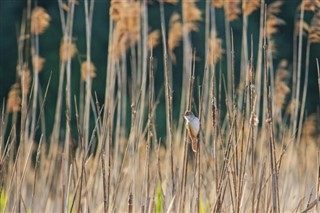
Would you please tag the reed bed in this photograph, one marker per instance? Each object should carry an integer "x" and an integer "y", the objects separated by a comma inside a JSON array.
[{"x": 258, "y": 149}]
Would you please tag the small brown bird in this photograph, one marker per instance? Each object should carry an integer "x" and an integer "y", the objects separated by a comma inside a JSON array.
[{"x": 192, "y": 126}]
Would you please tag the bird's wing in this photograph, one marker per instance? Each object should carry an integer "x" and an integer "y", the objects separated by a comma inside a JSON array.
[{"x": 195, "y": 126}]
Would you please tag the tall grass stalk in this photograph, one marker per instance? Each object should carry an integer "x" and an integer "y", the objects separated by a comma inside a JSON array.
[{"x": 239, "y": 166}]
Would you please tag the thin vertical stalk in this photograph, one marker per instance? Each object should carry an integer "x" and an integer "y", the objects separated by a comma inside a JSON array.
[
  {"x": 305, "y": 89},
  {"x": 168, "y": 96},
  {"x": 259, "y": 61},
  {"x": 229, "y": 52},
  {"x": 88, "y": 21},
  {"x": 297, "y": 95},
  {"x": 149, "y": 137},
  {"x": 185, "y": 154}
]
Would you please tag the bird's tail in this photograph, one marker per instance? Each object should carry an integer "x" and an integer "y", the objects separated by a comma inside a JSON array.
[{"x": 194, "y": 144}]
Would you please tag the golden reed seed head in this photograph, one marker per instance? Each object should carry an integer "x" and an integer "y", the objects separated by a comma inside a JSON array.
[
  {"x": 215, "y": 50},
  {"x": 175, "y": 35},
  {"x": 309, "y": 128},
  {"x": 191, "y": 14},
  {"x": 14, "y": 100},
  {"x": 310, "y": 5},
  {"x": 116, "y": 8},
  {"x": 272, "y": 24},
  {"x": 38, "y": 62},
  {"x": 217, "y": 3},
  {"x": 232, "y": 9},
  {"x": 314, "y": 35},
  {"x": 281, "y": 87},
  {"x": 87, "y": 70},
  {"x": 275, "y": 7},
  {"x": 126, "y": 15},
  {"x": 67, "y": 50},
  {"x": 40, "y": 20},
  {"x": 153, "y": 39},
  {"x": 248, "y": 6},
  {"x": 293, "y": 104}
]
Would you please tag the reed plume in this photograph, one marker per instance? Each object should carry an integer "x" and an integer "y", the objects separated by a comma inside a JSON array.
[
  {"x": 249, "y": 6},
  {"x": 309, "y": 129},
  {"x": 67, "y": 51},
  {"x": 281, "y": 87},
  {"x": 153, "y": 39},
  {"x": 175, "y": 35},
  {"x": 217, "y": 3},
  {"x": 40, "y": 20},
  {"x": 126, "y": 16},
  {"x": 215, "y": 50},
  {"x": 88, "y": 70},
  {"x": 273, "y": 21},
  {"x": 310, "y": 5},
  {"x": 232, "y": 9},
  {"x": 191, "y": 15},
  {"x": 38, "y": 62},
  {"x": 314, "y": 34},
  {"x": 14, "y": 100}
]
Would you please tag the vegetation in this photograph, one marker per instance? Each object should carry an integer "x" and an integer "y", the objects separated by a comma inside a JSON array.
[{"x": 257, "y": 150}]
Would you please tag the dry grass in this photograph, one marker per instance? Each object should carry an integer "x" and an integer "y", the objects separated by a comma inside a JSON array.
[{"x": 249, "y": 158}]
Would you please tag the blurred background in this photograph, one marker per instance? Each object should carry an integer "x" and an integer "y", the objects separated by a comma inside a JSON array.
[{"x": 11, "y": 13}]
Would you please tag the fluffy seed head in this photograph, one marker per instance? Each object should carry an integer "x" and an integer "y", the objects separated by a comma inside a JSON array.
[
  {"x": 38, "y": 63},
  {"x": 67, "y": 51},
  {"x": 14, "y": 100},
  {"x": 87, "y": 70},
  {"x": 40, "y": 20}
]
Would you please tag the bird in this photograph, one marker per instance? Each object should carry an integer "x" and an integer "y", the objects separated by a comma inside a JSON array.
[{"x": 192, "y": 126}]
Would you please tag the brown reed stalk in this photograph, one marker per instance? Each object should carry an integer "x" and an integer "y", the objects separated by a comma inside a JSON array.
[
  {"x": 185, "y": 153},
  {"x": 275, "y": 188},
  {"x": 318, "y": 69},
  {"x": 259, "y": 74},
  {"x": 253, "y": 122},
  {"x": 67, "y": 50},
  {"x": 88, "y": 69},
  {"x": 24, "y": 74},
  {"x": 39, "y": 22},
  {"x": 168, "y": 96},
  {"x": 234, "y": 114},
  {"x": 12, "y": 178},
  {"x": 36, "y": 172},
  {"x": 214, "y": 118},
  {"x": 231, "y": 12},
  {"x": 130, "y": 203},
  {"x": 299, "y": 61},
  {"x": 149, "y": 137},
  {"x": 222, "y": 185},
  {"x": 200, "y": 138},
  {"x": 269, "y": 121},
  {"x": 103, "y": 168},
  {"x": 305, "y": 89},
  {"x": 23, "y": 174},
  {"x": 248, "y": 7},
  {"x": 121, "y": 176},
  {"x": 160, "y": 177},
  {"x": 262, "y": 176}
]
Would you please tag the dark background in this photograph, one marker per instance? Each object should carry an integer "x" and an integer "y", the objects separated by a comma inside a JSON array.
[{"x": 10, "y": 19}]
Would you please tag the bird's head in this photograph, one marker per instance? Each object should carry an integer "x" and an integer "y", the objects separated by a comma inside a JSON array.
[{"x": 188, "y": 115}]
